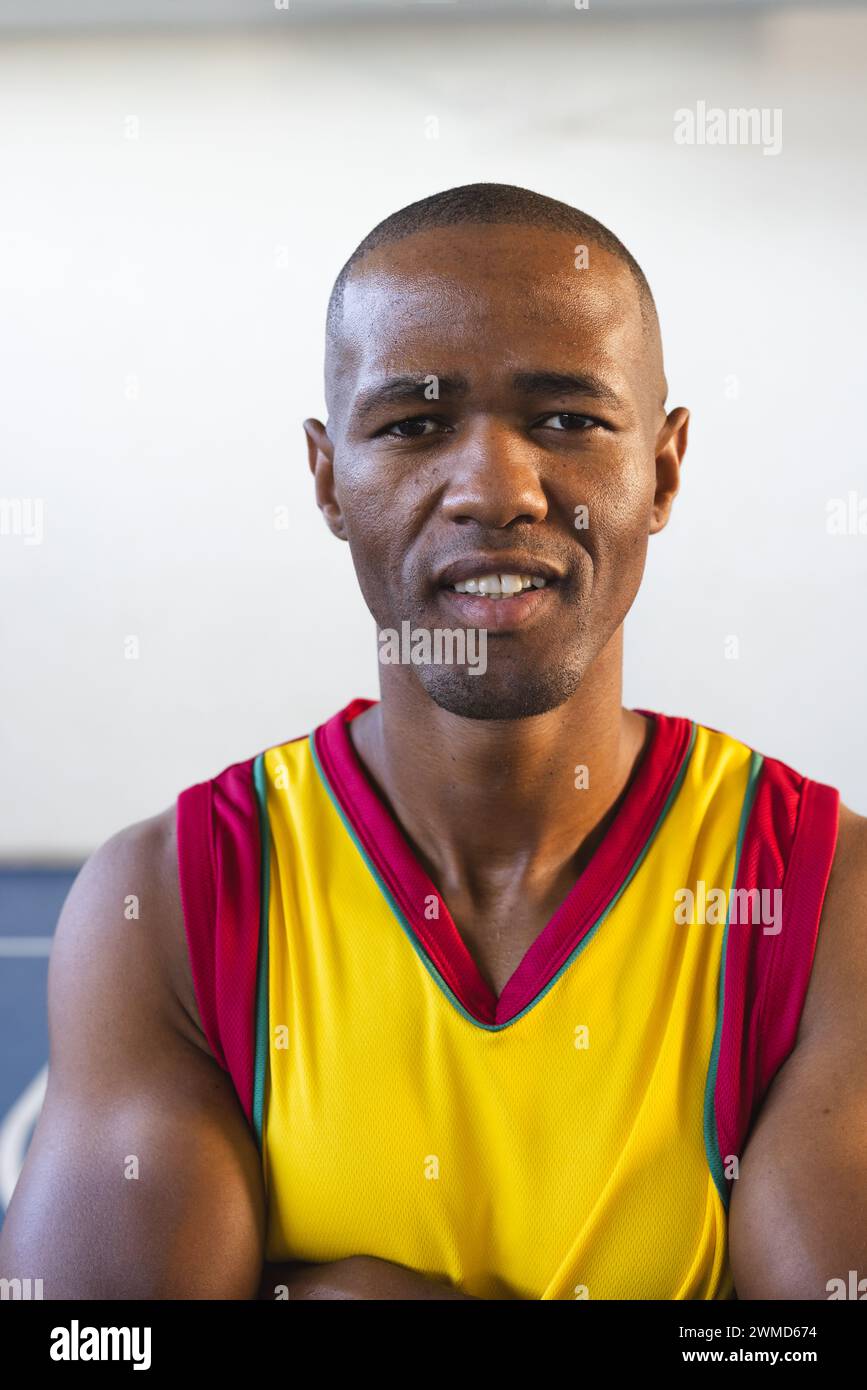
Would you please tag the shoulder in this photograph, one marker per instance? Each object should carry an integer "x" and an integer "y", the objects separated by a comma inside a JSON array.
[
  {"x": 784, "y": 824},
  {"x": 792, "y": 816},
  {"x": 123, "y": 921},
  {"x": 799, "y": 845},
  {"x": 130, "y": 877}
]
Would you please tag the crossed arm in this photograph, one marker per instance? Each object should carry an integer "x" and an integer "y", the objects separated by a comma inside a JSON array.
[
  {"x": 142, "y": 1180},
  {"x": 359, "y": 1277}
]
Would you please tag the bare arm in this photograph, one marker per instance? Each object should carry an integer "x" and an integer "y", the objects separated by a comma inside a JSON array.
[
  {"x": 799, "y": 1208},
  {"x": 362, "y": 1277},
  {"x": 142, "y": 1179}
]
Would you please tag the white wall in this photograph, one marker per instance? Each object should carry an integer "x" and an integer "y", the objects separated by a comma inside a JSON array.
[{"x": 158, "y": 352}]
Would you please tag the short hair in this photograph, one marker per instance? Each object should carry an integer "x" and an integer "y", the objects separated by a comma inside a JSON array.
[{"x": 492, "y": 203}]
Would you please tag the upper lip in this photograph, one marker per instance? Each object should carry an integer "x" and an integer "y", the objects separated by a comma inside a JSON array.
[{"x": 474, "y": 566}]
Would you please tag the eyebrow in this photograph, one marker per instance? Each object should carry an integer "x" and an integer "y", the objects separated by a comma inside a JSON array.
[
  {"x": 398, "y": 390},
  {"x": 395, "y": 390},
  {"x": 566, "y": 384}
]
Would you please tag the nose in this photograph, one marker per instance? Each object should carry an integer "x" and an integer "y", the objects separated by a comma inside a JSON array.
[{"x": 493, "y": 480}]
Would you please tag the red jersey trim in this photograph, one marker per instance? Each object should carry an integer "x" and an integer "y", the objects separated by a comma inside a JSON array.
[
  {"x": 788, "y": 847},
  {"x": 219, "y": 869}
]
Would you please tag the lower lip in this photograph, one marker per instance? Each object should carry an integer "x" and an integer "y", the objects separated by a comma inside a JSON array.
[{"x": 499, "y": 614}]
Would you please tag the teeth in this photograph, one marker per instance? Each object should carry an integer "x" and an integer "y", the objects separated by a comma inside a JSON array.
[{"x": 499, "y": 585}]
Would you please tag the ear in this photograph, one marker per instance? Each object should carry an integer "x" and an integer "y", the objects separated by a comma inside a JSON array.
[
  {"x": 320, "y": 455},
  {"x": 670, "y": 449}
]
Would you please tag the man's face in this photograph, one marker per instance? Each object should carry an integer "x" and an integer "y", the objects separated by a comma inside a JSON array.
[{"x": 495, "y": 411}]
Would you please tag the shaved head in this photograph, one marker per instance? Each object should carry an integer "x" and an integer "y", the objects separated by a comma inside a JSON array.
[
  {"x": 489, "y": 202},
  {"x": 494, "y": 204}
]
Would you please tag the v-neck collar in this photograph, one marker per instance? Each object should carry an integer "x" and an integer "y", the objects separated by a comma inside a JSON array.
[{"x": 411, "y": 892}]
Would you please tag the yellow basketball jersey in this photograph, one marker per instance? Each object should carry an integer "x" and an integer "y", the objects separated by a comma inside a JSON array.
[{"x": 576, "y": 1137}]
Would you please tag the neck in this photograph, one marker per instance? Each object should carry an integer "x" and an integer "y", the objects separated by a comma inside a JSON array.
[{"x": 483, "y": 801}]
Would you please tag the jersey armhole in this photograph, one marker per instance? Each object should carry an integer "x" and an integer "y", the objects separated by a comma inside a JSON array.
[
  {"x": 784, "y": 863},
  {"x": 803, "y": 894},
  {"x": 197, "y": 885},
  {"x": 219, "y": 867}
]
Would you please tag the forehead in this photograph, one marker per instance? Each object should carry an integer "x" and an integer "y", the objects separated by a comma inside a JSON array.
[{"x": 478, "y": 298}]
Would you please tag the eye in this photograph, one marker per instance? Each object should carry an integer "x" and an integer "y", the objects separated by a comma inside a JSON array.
[
  {"x": 413, "y": 428},
  {"x": 567, "y": 421}
]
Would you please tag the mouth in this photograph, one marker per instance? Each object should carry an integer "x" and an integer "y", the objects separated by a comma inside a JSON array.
[
  {"x": 500, "y": 599},
  {"x": 499, "y": 586}
]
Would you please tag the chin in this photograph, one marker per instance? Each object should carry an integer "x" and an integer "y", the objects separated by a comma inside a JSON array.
[{"x": 502, "y": 697}]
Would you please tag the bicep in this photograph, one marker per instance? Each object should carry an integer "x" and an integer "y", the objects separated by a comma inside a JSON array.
[
  {"x": 142, "y": 1179},
  {"x": 798, "y": 1213}
]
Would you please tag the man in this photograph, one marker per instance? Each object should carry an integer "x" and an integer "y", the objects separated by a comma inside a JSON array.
[{"x": 492, "y": 988}]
